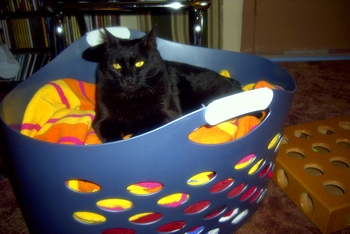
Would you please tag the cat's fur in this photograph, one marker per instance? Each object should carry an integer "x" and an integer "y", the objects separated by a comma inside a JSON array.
[{"x": 133, "y": 100}]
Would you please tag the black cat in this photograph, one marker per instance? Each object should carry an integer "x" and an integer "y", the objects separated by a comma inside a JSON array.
[{"x": 138, "y": 91}]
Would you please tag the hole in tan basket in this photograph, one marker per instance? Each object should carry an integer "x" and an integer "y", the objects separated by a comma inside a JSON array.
[
  {"x": 285, "y": 140},
  {"x": 89, "y": 217},
  {"x": 222, "y": 185},
  {"x": 307, "y": 205},
  {"x": 171, "y": 227},
  {"x": 326, "y": 130},
  {"x": 344, "y": 143},
  {"x": 82, "y": 186},
  {"x": 302, "y": 134},
  {"x": 201, "y": 178},
  {"x": 215, "y": 212},
  {"x": 313, "y": 170},
  {"x": 229, "y": 215},
  {"x": 334, "y": 187},
  {"x": 197, "y": 207},
  {"x": 145, "y": 188},
  {"x": 295, "y": 153},
  {"x": 114, "y": 204},
  {"x": 236, "y": 190},
  {"x": 345, "y": 125},
  {"x": 339, "y": 162},
  {"x": 119, "y": 231},
  {"x": 282, "y": 178},
  {"x": 145, "y": 218},
  {"x": 240, "y": 217},
  {"x": 173, "y": 200},
  {"x": 321, "y": 148}
]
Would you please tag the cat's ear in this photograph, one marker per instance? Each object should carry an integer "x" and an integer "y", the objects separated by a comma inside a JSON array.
[
  {"x": 110, "y": 38},
  {"x": 151, "y": 38}
]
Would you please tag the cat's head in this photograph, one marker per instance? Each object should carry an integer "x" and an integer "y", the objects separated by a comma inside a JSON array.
[{"x": 132, "y": 64}]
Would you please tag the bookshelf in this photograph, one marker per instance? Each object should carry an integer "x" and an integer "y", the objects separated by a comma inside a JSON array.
[
  {"x": 26, "y": 29},
  {"x": 38, "y": 30},
  {"x": 29, "y": 29}
]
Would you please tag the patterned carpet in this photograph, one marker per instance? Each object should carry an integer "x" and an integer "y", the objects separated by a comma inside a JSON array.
[{"x": 323, "y": 93}]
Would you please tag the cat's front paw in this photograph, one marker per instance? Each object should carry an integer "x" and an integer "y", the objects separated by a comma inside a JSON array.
[{"x": 107, "y": 131}]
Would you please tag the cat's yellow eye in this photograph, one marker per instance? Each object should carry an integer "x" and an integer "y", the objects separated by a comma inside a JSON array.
[
  {"x": 117, "y": 66},
  {"x": 139, "y": 64}
]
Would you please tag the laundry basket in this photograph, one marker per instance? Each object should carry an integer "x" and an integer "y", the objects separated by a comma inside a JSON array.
[{"x": 164, "y": 160}]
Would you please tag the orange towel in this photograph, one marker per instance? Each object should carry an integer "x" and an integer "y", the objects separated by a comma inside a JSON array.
[
  {"x": 62, "y": 112},
  {"x": 231, "y": 129}
]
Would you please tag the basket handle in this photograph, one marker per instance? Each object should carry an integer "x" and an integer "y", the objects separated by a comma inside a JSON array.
[{"x": 238, "y": 104}]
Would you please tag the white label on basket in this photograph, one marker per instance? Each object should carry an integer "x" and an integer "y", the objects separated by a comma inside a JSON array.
[
  {"x": 96, "y": 37},
  {"x": 238, "y": 104}
]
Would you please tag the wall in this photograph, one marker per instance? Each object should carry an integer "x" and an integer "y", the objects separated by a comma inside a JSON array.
[{"x": 232, "y": 24}]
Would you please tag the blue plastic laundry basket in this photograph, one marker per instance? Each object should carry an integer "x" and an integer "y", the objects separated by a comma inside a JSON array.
[{"x": 164, "y": 156}]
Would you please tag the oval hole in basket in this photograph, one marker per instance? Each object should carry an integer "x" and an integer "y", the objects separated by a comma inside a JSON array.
[
  {"x": 248, "y": 194},
  {"x": 345, "y": 125},
  {"x": 306, "y": 203},
  {"x": 282, "y": 178},
  {"x": 197, "y": 207},
  {"x": 261, "y": 196},
  {"x": 274, "y": 141},
  {"x": 314, "y": 170},
  {"x": 240, "y": 217},
  {"x": 285, "y": 140},
  {"x": 114, "y": 204},
  {"x": 326, "y": 130},
  {"x": 236, "y": 190},
  {"x": 201, "y": 178},
  {"x": 246, "y": 161},
  {"x": 195, "y": 230},
  {"x": 222, "y": 185},
  {"x": 295, "y": 153},
  {"x": 265, "y": 170},
  {"x": 229, "y": 215},
  {"x": 145, "y": 218},
  {"x": 256, "y": 166},
  {"x": 334, "y": 187},
  {"x": 173, "y": 200},
  {"x": 321, "y": 148},
  {"x": 339, "y": 162},
  {"x": 215, "y": 212},
  {"x": 145, "y": 188},
  {"x": 344, "y": 143},
  {"x": 82, "y": 186},
  {"x": 119, "y": 231},
  {"x": 171, "y": 227},
  {"x": 89, "y": 217},
  {"x": 255, "y": 196},
  {"x": 302, "y": 134},
  {"x": 214, "y": 231}
]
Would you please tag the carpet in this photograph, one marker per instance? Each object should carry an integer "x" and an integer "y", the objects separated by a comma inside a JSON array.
[{"x": 323, "y": 93}]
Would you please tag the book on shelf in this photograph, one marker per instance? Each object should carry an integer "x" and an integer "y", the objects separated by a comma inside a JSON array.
[
  {"x": 22, "y": 33},
  {"x": 8, "y": 6},
  {"x": 92, "y": 21},
  {"x": 29, "y": 64}
]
